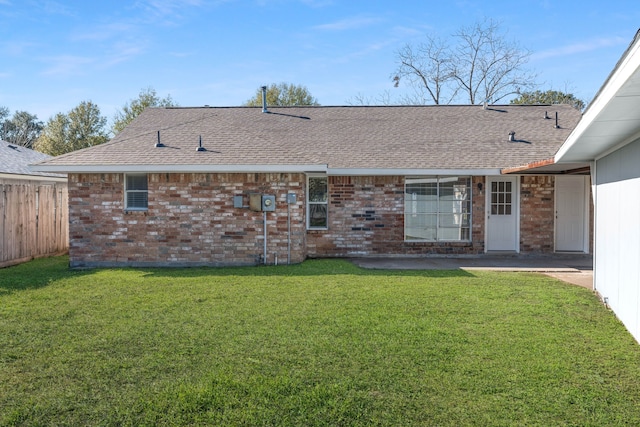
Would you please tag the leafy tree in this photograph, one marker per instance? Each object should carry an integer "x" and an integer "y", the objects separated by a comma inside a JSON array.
[
  {"x": 82, "y": 127},
  {"x": 480, "y": 65},
  {"x": 549, "y": 97},
  {"x": 132, "y": 109},
  {"x": 283, "y": 94},
  {"x": 21, "y": 129}
]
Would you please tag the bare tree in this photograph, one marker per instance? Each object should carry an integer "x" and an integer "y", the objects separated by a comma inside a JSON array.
[
  {"x": 361, "y": 99},
  {"x": 481, "y": 66},
  {"x": 429, "y": 69}
]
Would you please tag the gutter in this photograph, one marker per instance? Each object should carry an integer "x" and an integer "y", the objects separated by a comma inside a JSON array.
[{"x": 321, "y": 169}]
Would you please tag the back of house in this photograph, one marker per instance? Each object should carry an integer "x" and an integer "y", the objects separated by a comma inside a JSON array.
[{"x": 239, "y": 186}]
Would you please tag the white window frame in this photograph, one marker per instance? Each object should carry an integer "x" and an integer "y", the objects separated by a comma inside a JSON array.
[
  {"x": 128, "y": 191},
  {"x": 325, "y": 203},
  {"x": 412, "y": 210}
]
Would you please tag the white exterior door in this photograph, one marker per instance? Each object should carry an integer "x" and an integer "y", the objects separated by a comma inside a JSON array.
[
  {"x": 502, "y": 214},
  {"x": 571, "y": 214}
]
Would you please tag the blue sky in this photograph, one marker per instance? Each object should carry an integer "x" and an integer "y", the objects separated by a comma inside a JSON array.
[{"x": 58, "y": 53}]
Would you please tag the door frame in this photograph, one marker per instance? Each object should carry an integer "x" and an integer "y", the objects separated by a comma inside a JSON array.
[
  {"x": 487, "y": 210},
  {"x": 587, "y": 216}
]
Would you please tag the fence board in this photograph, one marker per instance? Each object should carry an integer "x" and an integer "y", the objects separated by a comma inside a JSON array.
[{"x": 34, "y": 220}]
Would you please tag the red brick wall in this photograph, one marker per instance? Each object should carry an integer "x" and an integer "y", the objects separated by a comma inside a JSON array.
[
  {"x": 190, "y": 221},
  {"x": 366, "y": 217},
  {"x": 537, "y": 214}
]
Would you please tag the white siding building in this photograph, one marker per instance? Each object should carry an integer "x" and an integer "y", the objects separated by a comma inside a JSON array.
[{"x": 608, "y": 136}]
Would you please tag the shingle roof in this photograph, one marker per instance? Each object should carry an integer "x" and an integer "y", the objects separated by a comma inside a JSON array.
[
  {"x": 339, "y": 138},
  {"x": 15, "y": 160}
]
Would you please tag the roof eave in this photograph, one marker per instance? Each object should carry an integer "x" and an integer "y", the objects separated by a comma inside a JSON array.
[
  {"x": 549, "y": 167},
  {"x": 308, "y": 168},
  {"x": 24, "y": 177}
]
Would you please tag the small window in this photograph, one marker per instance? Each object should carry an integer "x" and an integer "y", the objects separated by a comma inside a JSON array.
[
  {"x": 136, "y": 193},
  {"x": 317, "y": 202}
]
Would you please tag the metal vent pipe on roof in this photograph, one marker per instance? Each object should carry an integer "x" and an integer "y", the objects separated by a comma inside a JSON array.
[
  {"x": 159, "y": 144},
  {"x": 264, "y": 99}
]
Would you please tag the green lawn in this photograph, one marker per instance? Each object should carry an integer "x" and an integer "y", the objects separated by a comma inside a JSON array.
[{"x": 323, "y": 343}]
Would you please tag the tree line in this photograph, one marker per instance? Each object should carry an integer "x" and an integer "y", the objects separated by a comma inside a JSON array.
[
  {"x": 477, "y": 64},
  {"x": 84, "y": 125}
]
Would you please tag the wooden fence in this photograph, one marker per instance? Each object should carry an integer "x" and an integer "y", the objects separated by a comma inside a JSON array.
[{"x": 34, "y": 220}]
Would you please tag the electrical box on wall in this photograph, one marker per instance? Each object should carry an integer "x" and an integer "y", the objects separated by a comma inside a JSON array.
[{"x": 262, "y": 202}]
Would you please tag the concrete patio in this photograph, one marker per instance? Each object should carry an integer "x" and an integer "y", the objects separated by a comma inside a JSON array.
[{"x": 572, "y": 268}]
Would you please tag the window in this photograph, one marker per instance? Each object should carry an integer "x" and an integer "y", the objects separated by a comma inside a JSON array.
[
  {"x": 501, "y": 198},
  {"x": 136, "y": 192},
  {"x": 437, "y": 209},
  {"x": 317, "y": 202}
]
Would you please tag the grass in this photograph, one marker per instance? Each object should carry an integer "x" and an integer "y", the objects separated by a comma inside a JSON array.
[{"x": 323, "y": 343}]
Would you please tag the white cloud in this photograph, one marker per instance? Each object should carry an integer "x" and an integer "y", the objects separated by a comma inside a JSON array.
[
  {"x": 66, "y": 65},
  {"x": 348, "y": 24},
  {"x": 105, "y": 32},
  {"x": 572, "y": 49},
  {"x": 123, "y": 52}
]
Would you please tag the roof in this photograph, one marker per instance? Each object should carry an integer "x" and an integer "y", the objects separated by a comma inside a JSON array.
[
  {"x": 335, "y": 140},
  {"x": 612, "y": 118},
  {"x": 15, "y": 160}
]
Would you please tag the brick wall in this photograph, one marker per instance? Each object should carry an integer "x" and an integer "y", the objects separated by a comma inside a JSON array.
[
  {"x": 366, "y": 217},
  {"x": 190, "y": 221},
  {"x": 537, "y": 214}
]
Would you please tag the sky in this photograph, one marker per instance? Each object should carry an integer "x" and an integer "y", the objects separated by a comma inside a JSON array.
[{"x": 56, "y": 54}]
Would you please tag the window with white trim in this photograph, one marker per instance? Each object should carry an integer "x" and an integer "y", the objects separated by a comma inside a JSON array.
[
  {"x": 317, "y": 202},
  {"x": 136, "y": 194},
  {"x": 437, "y": 208}
]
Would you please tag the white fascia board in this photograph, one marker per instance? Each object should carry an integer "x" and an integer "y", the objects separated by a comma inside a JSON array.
[
  {"x": 33, "y": 177},
  {"x": 627, "y": 67},
  {"x": 408, "y": 172},
  {"x": 320, "y": 169},
  {"x": 181, "y": 168}
]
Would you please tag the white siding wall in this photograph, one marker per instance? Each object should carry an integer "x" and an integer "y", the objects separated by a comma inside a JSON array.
[{"x": 617, "y": 243}]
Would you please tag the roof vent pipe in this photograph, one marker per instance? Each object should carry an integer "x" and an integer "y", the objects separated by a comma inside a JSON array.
[
  {"x": 159, "y": 144},
  {"x": 264, "y": 99},
  {"x": 200, "y": 147},
  {"x": 557, "y": 126},
  {"x": 512, "y": 136},
  {"x": 546, "y": 115}
]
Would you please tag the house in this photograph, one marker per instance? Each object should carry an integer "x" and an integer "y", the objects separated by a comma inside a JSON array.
[
  {"x": 608, "y": 136},
  {"x": 242, "y": 186},
  {"x": 33, "y": 207}
]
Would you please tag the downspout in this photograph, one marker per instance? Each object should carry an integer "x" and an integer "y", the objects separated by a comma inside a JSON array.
[
  {"x": 288, "y": 233},
  {"x": 594, "y": 194}
]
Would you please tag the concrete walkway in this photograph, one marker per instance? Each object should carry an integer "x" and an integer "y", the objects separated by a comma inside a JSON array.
[{"x": 575, "y": 269}]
